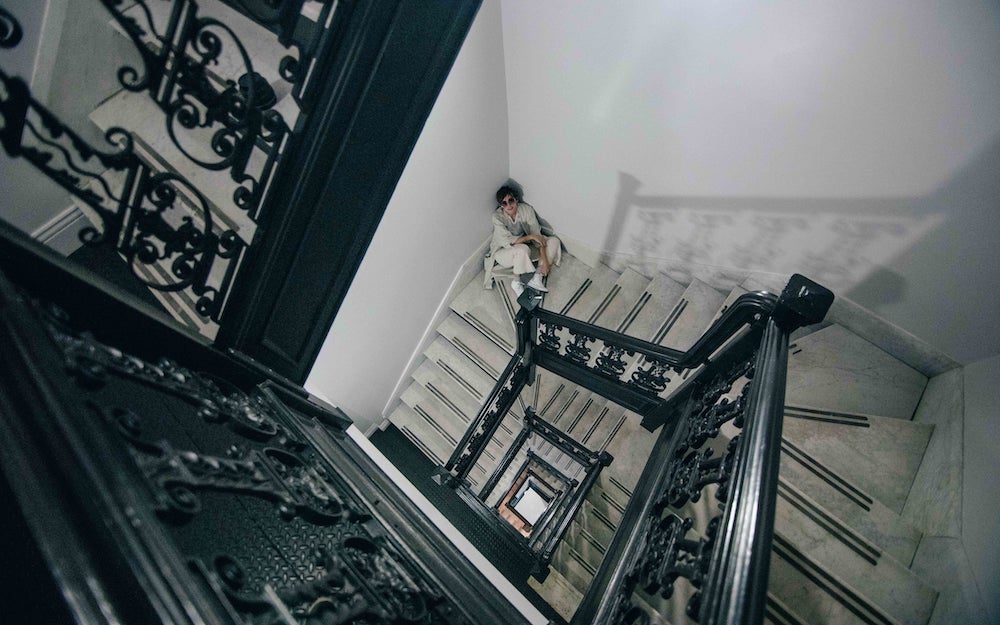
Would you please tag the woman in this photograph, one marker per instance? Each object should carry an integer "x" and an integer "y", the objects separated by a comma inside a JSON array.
[{"x": 516, "y": 229}]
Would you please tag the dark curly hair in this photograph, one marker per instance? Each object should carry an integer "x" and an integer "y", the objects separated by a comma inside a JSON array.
[{"x": 506, "y": 190}]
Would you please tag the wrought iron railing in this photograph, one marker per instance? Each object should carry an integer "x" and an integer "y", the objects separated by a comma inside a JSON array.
[
  {"x": 180, "y": 228},
  {"x": 720, "y": 438}
]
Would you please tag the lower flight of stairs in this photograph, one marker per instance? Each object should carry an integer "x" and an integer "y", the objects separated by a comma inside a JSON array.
[{"x": 861, "y": 465}]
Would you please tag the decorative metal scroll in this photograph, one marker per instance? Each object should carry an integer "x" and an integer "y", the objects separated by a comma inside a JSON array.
[
  {"x": 269, "y": 527},
  {"x": 229, "y": 116},
  {"x": 219, "y": 114},
  {"x": 612, "y": 361},
  {"x": 670, "y": 546}
]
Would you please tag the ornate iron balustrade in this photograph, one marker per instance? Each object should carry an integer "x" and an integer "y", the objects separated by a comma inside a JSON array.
[
  {"x": 219, "y": 115},
  {"x": 721, "y": 436},
  {"x": 160, "y": 493}
]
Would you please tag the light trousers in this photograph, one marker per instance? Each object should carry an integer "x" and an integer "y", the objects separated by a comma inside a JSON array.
[{"x": 519, "y": 256}]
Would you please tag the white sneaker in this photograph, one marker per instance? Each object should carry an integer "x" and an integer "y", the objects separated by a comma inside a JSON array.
[
  {"x": 517, "y": 286},
  {"x": 536, "y": 283}
]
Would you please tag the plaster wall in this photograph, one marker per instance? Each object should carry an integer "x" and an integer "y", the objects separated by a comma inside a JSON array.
[
  {"x": 855, "y": 142},
  {"x": 980, "y": 498},
  {"x": 29, "y": 199},
  {"x": 438, "y": 215}
]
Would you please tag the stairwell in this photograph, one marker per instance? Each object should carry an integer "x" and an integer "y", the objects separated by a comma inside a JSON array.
[{"x": 870, "y": 467}]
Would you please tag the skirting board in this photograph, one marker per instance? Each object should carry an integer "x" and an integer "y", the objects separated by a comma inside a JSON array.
[{"x": 61, "y": 233}]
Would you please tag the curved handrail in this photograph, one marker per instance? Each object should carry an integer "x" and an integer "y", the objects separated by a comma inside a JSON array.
[{"x": 748, "y": 308}]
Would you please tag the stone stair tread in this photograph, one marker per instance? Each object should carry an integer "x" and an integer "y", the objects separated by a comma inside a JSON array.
[
  {"x": 487, "y": 311},
  {"x": 820, "y": 596},
  {"x": 652, "y": 307},
  {"x": 479, "y": 349},
  {"x": 618, "y": 303},
  {"x": 559, "y": 593},
  {"x": 845, "y": 554},
  {"x": 261, "y": 45},
  {"x": 437, "y": 382},
  {"x": 824, "y": 363},
  {"x": 564, "y": 281},
  {"x": 440, "y": 417},
  {"x": 851, "y": 505},
  {"x": 473, "y": 380},
  {"x": 691, "y": 317},
  {"x": 879, "y": 454},
  {"x": 592, "y": 293}
]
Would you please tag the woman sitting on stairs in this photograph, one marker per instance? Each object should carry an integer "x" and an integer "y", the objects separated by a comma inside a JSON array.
[{"x": 516, "y": 229}]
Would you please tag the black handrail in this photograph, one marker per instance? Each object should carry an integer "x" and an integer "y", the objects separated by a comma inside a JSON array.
[{"x": 729, "y": 562}]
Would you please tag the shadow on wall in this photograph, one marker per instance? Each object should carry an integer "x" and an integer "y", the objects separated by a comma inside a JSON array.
[{"x": 845, "y": 244}]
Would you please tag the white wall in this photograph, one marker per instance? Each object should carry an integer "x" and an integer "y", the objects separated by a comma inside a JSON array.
[
  {"x": 28, "y": 199},
  {"x": 980, "y": 498},
  {"x": 855, "y": 141},
  {"x": 438, "y": 215}
]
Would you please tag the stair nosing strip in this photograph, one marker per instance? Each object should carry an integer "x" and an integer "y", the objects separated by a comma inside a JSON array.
[
  {"x": 615, "y": 289},
  {"x": 458, "y": 378},
  {"x": 849, "y": 490},
  {"x": 845, "y": 534},
  {"x": 474, "y": 357},
  {"x": 576, "y": 296},
  {"x": 857, "y": 604},
  {"x": 444, "y": 399},
  {"x": 671, "y": 320},
  {"x": 634, "y": 312},
  {"x": 488, "y": 332},
  {"x": 434, "y": 424}
]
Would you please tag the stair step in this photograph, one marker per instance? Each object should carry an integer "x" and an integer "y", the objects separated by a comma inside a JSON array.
[
  {"x": 448, "y": 390},
  {"x": 470, "y": 377},
  {"x": 824, "y": 363},
  {"x": 844, "y": 554},
  {"x": 618, "y": 302},
  {"x": 138, "y": 113},
  {"x": 559, "y": 593},
  {"x": 592, "y": 294},
  {"x": 476, "y": 347},
  {"x": 261, "y": 45},
  {"x": 879, "y": 454},
  {"x": 690, "y": 317},
  {"x": 441, "y": 417},
  {"x": 651, "y": 307},
  {"x": 823, "y": 598},
  {"x": 850, "y": 504},
  {"x": 565, "y": 282},
  {"x": 487, "y": 310}
]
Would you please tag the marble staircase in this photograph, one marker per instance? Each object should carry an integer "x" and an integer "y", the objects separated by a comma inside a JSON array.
[{"x": 851, "y": 451}]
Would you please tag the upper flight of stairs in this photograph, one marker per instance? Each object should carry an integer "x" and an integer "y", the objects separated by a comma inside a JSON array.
[
  {"x": 845, "y": 539},
  {"x": 139, "y": 114}
]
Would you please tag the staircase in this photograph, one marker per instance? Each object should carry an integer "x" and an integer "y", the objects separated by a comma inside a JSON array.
[{"x": 852, "y": 472}]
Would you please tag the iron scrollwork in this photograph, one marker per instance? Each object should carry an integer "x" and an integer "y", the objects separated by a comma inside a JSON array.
[
  {"x": 319, "y": 558},
  {"x": 177, "y": 76},
  {"x": 652, "y": 377},
  {"x": 10, "y": 30}
]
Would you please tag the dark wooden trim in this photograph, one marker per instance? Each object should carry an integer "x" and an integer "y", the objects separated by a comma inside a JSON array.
[{"x": 384, "y": 73}]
